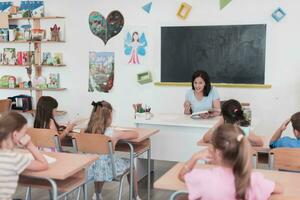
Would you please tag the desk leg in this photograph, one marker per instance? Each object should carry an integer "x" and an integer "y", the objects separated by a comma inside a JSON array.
[
  {"x": 131, "y": 187},
  {"x": 149, "y": 172}
]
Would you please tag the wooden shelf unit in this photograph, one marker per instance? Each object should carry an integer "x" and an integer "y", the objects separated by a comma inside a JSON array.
[
  {"x": 61, "y": 65},
  {"x": 36, "y": 24},
  {"x": 33, "y": 41},
  {"x": 36, "y": 18},
  {"x": 36, "y": 89}
]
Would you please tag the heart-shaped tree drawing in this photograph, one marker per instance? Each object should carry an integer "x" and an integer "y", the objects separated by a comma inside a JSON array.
[{"x": 106, "y": 28}]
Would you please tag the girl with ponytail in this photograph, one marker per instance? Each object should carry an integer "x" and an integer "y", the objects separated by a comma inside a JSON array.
[
  {"x": 101, "y": 171},
  {"x": 232, "y": 113},
  {"x": 232, "y": 178}
]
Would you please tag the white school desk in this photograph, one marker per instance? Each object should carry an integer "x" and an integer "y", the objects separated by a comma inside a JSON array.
[
  {"x": 289, "y": 180},
  {"x": 65, "y": 174},
  {"x": 178, "y": 135}
]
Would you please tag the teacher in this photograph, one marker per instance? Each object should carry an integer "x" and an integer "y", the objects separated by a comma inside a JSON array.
[{"x": 202, "y": 96}]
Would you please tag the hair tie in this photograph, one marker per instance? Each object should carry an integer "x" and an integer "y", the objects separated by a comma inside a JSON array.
[
  {"x": 239, "y": 137},
  {"x": 96, "y": 104},
  {"x": 235, "y": 110}
]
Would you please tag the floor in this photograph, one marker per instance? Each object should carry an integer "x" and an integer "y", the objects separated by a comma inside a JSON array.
[{"x": 110, "y": 189}]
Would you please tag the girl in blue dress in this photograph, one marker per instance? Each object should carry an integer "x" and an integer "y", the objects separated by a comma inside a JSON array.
[{"x": 101, "y": 171}]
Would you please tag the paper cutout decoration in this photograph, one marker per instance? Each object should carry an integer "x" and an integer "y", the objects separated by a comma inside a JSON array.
[
  {"x": 101, "y": 75},
  {"x": 184, "y": 10},
  {"x": 106, "y": 28},
  {"x": 147, "y": 7},
  {"x": 144, "y": 77},
  {"x": 278, "y": 14},
  {"x": 224, "y": 3},
  {"x": 135, "y": 45}
]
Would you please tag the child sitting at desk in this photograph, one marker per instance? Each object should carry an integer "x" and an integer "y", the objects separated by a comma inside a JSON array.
[
  {"x": 232, "y": 113},
  {"x": 278, "y": 141},
  {"x": 232, "y": 177},
  {"x": 44, "y": 117},
  {"x": 100, "y": 123},
  {"x": 12, "y": 132}
]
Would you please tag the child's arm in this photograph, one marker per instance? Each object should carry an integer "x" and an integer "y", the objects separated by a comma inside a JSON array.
[
  {"x": 278, "y": 189},
  {"x": 39, "y": 163},
  {"x": 123, "y": 135},
  {"x": 207, "y": 136},
  {"x": 255, "y": 140},
  {"x": 279, "y": 131},
  {"x": 190, "y": 164}
]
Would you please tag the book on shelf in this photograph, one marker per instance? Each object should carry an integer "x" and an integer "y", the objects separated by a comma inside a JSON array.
[
  {"x": 58, "y": 59},
  {"x": 204, "y": 113},
  {"x": 32, "y": 8},
  {"x": 5, "y": 7},
  {"x": 54, "y": 81},
  {"x": 3, "y": 34},
  {"x": 47, "y": 59},
  {"x": 9, "y": 56}
]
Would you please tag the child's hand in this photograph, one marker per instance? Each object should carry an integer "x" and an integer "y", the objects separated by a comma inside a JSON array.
[
  {"x": 203, "y": 155},
  {"x": 70, "y": 126},
  {"x": 24, "y": 140},
  {"x": 285, "y": 124}
]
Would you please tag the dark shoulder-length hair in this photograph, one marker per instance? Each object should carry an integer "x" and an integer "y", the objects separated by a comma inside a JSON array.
[
  {"x": 44, "y": 112},
  {"x": 205, "y": 77}
]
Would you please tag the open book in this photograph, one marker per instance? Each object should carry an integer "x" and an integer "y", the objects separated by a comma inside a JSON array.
[{"x": 205, "y": 113}]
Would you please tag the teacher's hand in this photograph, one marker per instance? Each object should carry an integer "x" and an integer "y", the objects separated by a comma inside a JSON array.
[{"x": 187, "y": 107}]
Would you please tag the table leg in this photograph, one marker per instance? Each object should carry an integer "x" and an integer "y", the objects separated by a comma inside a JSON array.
[{"x": 149, "y": 172}]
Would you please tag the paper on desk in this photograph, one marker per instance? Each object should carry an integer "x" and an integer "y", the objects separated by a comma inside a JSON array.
[
  {"x": 49, "y": 159},
  {"x": 122, "y": 129}
]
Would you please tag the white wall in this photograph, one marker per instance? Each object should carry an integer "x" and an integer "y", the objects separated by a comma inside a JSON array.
[{"x": 270, "y": 106}]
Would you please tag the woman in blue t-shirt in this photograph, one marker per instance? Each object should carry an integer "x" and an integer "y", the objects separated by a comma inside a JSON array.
[{"x": 202, "y": 96}]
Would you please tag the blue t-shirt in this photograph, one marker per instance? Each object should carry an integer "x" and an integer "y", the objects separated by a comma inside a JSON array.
[
  {"x": 205, "y": 103},
  {"x": 286, "y": 142}
]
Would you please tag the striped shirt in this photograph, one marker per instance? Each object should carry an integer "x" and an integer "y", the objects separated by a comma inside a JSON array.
[{"x": 11, "y": 165}]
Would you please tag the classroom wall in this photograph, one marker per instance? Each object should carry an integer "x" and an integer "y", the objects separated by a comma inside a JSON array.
[{"x": 270, "y": 106}]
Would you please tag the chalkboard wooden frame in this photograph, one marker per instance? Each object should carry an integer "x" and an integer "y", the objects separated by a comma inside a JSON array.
[{"x": 256, "y": 46}]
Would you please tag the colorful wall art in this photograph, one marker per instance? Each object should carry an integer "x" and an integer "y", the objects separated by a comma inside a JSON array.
[
  {"x": 101, "y": 75},
  {"x": 135, "y": 45},
  {"x": 107, "y": 28}
]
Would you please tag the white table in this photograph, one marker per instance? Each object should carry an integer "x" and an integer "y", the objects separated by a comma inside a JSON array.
[{"x": 178, "y": 136}]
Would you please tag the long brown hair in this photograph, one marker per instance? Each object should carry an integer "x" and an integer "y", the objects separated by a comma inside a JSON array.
[
  {"x": 44, "y": 112},
  {"x": 236, "y": 152},
  {"x": 100, "y": 117},
  {"x": 9, "y": 123}
]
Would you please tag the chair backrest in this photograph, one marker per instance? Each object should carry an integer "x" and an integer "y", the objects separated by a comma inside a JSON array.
[
  {"x": 254, "y": 158},
  {"x": 44, "y": 138},
  {"x": 92, "y": 143},
  {"x": 285, "y": 159},
  {"x": 5, "y": 105}
]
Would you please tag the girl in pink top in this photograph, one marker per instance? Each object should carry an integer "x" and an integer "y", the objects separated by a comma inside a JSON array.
[{"x": 232, "y": 178}]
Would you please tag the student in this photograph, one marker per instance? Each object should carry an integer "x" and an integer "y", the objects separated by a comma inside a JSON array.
[
  {"x": 13, "y": 132},
  {"x": 278, "y": 141},
  {"x": 44, "y": 118},
  {"x": 202, "y": 96},
  {"x": 100, "y": 123},
  {"x": 233, "y": 176},
  {"x": 232, "y": 113}
]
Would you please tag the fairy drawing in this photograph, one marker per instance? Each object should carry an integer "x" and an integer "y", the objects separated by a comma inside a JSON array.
[{"x": 135, "y": 46}]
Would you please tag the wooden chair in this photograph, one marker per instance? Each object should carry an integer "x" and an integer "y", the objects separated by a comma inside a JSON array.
[
  {"x": 5, "y": 105},
  {"x": 99, "y": 144},
  {"x": 285, "y": 159},
  {"x": 45, "y": 138}
]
